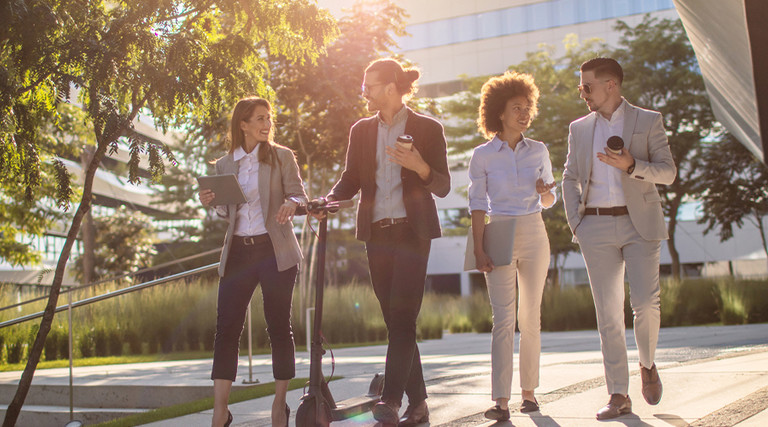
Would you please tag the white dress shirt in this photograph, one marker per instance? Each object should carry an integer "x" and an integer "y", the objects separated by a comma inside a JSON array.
[
  {"x": 508, "y": 177},
  {"x": 605, "y": 182},
  {"x": 250, "y": 218}
]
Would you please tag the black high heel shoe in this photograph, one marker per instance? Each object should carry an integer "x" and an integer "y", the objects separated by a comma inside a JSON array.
[
  {"x": 229, "y": 419},
  {"x": 287, "y": 414}
]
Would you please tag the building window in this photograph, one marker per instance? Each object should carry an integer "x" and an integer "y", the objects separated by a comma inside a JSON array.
[{"x": 521, "y": 19}]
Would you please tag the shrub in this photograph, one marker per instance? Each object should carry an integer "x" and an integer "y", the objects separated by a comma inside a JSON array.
[
  {"x": 63, "y": 344},
  {"x": 134, "y": 342},
  {"x": 16, "y": 351},
  {"x": 115, "y": 340},
  {"x": 566, "y": 309},
  {"x": 480, "y": 312},
  {"x": 51, "y": 345},
  {"x": 86, "y": 344}
]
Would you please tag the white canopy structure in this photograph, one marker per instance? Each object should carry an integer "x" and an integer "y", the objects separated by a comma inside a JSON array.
[{"x": 728, "y": 37}]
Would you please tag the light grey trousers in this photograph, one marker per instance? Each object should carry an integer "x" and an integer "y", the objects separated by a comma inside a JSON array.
[
  {"x": 527, "y": 275},
  {"x": 609, "y": 244}
]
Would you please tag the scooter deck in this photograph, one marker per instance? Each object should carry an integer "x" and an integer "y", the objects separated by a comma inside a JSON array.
[{"x": 353, "y": 407}]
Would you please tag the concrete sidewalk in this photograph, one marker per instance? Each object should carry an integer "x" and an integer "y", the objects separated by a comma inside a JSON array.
[{"x": 713, "y": 376}]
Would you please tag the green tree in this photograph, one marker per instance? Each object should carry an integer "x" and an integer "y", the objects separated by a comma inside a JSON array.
[
  {"x": 559, "y": 104},
  {"x": 124, "y": 243},
  {"x": 733, "y": 187},
  {"x": 661, "y": 73},
  {"x": 176, "y": 60}
]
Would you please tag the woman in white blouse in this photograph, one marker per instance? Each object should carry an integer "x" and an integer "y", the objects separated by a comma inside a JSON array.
[
  {"x": 511, "y": 177},
  {"x": 260, "y": 247}
]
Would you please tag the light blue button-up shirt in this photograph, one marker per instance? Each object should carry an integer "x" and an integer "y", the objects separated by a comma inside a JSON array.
[{"x": 508, "y": 177}]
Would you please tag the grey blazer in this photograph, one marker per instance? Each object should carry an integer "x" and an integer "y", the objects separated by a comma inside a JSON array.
[
  {"x": 646, "y": 140},
  {"x": 276, "y": 183}
]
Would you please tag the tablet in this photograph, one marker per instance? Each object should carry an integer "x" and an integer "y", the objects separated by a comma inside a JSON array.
[
  {"x": 226, "y": 189},
  {"x": 498, "y": 241}
]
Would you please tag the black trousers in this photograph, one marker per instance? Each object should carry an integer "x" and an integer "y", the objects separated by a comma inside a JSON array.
[
  {"x": 397, "y": 259},
  {"x": 248, "y": 266}
]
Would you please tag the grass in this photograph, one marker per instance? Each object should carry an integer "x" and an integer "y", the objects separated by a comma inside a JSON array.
[
  {"x": 238, "y": 395},
  {"x": 158, "y": 357},
  {"x": 117, "y": 360}
]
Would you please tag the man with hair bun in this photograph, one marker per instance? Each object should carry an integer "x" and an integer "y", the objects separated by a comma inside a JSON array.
[
  {"x": 397, "y": 219},
  {"x": 614, "y": 211}
]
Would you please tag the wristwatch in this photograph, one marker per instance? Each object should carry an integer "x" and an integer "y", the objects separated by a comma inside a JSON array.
[
  {"x": 631, "y": 168},
  {"x": 296, "y": 199}
]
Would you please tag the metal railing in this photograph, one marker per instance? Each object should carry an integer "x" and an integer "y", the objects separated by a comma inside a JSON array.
[
  {"x": 112, "y": 294},
  {"x": 112, "y": 279}
]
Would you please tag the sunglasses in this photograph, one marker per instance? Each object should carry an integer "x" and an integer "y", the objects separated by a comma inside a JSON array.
[{"x": 587, "y": 88}]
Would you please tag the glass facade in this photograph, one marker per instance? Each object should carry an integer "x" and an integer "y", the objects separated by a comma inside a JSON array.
[{"x": 521, "y": 19}]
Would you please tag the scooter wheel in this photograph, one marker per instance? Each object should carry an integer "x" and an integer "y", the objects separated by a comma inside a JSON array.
[{"x": 308, "y": 416}]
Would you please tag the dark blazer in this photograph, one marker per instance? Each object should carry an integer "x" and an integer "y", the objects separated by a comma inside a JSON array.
[{"x": 360, "y": 174}]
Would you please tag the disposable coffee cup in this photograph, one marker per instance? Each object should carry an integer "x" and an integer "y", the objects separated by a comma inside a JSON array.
[
  {"x": 405, "y": 141},
  {"x": 615, "y": 144}
]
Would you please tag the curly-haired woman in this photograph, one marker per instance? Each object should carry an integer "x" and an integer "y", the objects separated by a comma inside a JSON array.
[{"x": 511, "y": 178}]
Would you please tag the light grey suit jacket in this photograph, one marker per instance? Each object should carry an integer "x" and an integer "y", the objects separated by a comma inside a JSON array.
[
  {"x": 276, "y": 183},
  {"x": 646, "y": 140}
]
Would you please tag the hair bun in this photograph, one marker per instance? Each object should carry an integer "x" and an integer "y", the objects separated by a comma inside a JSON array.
[{"x": 412, "y": 74}]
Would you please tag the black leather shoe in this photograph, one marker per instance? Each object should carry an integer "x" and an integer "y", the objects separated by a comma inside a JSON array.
[
  {"x": 617, "y": 406},
  {"x": 651, "y": 384},
  {"x": 496, "y": 413},
  {"x": 530, "y": 405},
  {"x": 229, "y": 419},
  {"x": 386, "y": 412},
  {"x": 415, "y": 415},
  {"x": 287, "y": 414}
]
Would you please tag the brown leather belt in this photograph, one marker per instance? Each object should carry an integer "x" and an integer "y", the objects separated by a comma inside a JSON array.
[
  {"x": 614, "y": 211},
  {"x": 251, "y": 240},
  {"x": 388, "y": 222}
]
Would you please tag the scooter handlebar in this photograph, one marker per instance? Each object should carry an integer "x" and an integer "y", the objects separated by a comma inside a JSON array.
[{"x": 321, "y": 205}]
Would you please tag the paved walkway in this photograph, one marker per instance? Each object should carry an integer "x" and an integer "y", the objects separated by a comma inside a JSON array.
[{"x": 712, "y": 376}]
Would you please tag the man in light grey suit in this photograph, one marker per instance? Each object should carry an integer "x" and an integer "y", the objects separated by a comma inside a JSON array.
[{"x": 614, "y": 212}]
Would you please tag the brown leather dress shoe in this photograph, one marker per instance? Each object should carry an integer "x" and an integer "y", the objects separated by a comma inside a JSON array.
[
  {"x": 386, "y": 412},
  {"x": 497, "y": 413},
  {"x": 617, "y": 406},
  {"x": 415, "y": 415},
  {"x": 651, "y": 384}
]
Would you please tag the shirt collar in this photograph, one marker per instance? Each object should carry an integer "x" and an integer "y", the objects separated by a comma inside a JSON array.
[
  {"x": 617, "y": 115},
  {"x": 239, "y": 153},
  {"x": 397, "y": 118},
  {"x": 498, "y": 144}
]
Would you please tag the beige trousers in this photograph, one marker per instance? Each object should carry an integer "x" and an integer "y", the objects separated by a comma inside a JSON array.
[
  {"x": 608, "y": 244},
  {"x": 526, "y": 275}
]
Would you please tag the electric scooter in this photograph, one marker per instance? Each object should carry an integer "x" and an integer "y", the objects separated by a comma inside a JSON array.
[{"x": 318, "y": 408}]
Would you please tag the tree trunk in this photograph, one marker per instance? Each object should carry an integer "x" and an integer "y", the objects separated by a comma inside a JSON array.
[
  {"x": 556, "y": 271},
  {"x": 14, "y": 409},
  {"x": 88, "y": 232},
  {"x": 761, "y": 227},
  {"x": 674, "y": 208},
  {"x": 103, "y": 141}
]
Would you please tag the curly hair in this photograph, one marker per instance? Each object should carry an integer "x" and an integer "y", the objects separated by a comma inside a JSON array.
[
  {"x": 495, "y": 94},
  {"x": 392, "y": 71}
]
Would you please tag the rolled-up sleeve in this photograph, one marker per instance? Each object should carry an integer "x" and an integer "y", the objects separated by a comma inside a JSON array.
[
  {"x": 478, "y": 183},
  {"x": 547, "y": 176}
]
